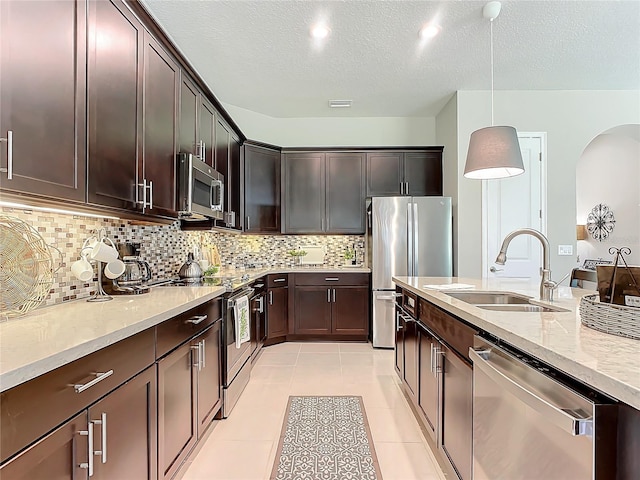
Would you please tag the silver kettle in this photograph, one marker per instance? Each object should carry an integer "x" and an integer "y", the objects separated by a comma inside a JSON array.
[{"x": 190, "y": 270}]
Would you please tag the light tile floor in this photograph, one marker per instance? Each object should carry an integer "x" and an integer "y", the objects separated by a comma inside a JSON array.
[{"x": 244, "y": 445}]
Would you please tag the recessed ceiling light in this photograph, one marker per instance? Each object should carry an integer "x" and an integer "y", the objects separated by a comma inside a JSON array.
[
  {"x": 430, "y": 30},
  {"x": 320, "y": 31},
  {"x": 340, "y": 103}
]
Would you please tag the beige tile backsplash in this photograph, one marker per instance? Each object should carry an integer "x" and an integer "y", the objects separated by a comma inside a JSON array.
[{"x": 165, "y": 247}]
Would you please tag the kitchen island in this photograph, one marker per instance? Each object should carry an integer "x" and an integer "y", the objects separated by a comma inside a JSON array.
[{"x": 608, "y": 363}]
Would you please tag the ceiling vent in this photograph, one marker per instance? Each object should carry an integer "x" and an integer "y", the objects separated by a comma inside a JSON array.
[{"x": 340, "y": 103}]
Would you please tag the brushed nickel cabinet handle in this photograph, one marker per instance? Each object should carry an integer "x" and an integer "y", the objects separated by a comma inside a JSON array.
[
  {"x": 89, "y": 434},
  {"x": 79, "y": 388},
  {"x": 204, "y": 358},
  {"x": 334, "y": 295},
  {"x": 328, "y": 295},
  {"x": 271, "y": 297},
  {"x": 103, "y": 437},
  {"x": 278, "y": 280},
  {"x": 197, "y": 363},
  {"x": 195, "y": 320},
  {"x": 331, "y": 279}
]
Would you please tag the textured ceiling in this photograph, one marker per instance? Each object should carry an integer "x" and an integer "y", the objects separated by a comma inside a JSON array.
[{"x": 258, "y": 55}]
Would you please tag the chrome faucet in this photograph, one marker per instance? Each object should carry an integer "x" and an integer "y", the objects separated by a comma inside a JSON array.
[{"x": 547, "y": 286}]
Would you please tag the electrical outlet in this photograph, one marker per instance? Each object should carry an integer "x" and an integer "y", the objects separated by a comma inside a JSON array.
[
  {"x": 632, "y": 301},
  {"x": 565, "y": 249}
]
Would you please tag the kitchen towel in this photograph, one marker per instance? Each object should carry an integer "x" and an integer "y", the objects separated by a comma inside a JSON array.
[{"x": 241, "y": 313}]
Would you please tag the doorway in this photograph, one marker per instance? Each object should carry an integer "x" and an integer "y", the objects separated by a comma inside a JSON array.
[{"x": 512, "y": 203}]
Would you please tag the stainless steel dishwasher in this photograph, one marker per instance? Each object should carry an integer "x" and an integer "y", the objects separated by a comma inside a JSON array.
[{"x": 532, "y": 422}]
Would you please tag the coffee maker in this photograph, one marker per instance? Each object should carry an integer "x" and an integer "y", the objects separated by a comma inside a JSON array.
[{"x": 136, "y": 274}]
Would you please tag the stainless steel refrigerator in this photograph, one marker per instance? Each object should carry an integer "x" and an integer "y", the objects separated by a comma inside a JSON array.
[{"x": 406, "y": 236}]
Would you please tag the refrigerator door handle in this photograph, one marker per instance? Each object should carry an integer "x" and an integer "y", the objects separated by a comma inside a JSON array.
[
  {"x": 416, "y": 244},
  {"x": 410, "y": 251}
]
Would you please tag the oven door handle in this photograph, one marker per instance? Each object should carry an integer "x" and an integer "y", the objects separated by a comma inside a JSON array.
[{"x": 561, "y": 417}]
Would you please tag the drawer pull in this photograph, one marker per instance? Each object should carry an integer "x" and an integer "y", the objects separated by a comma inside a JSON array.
[
  {"x": 258, "y": 285},
  {"x": 197, "y": 319},
  {"x": 331, "y": 279},
  {"x": 279, "y": 280},
  {"x": 99, "y": 377},
  {"x": 89, "y": 434}
]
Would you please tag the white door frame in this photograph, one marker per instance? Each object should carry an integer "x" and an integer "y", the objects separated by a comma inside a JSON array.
[{"x": 486, "y": 262}]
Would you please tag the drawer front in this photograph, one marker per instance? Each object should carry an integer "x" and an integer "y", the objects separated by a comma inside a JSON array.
[
  {"x": 274, "y": 281},
  {"x": 331, "y": 279},
  {"x": 453, "y": 331},
  {"x": 32, "y": 409},
  {"x": 174, "y": 332}
]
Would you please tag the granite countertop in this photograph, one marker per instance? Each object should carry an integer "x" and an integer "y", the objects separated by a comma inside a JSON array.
[
  {"x": 50, "y": 337},
  {"x": 606, "y": 362}
]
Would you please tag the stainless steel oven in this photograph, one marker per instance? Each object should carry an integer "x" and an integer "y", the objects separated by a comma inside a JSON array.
[
  {"x": 200, "y": 189},
  {"x": 531, "y": 422},
  {"x": 236, "y": 362}
]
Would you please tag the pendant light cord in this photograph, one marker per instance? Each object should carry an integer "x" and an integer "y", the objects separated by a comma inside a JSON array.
[{"x": 491, "y": 44}]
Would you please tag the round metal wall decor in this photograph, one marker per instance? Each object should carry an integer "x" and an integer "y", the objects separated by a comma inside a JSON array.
[{"x": 600, "y": 222}]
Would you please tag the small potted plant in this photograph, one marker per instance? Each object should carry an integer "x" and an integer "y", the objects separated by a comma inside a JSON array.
[
  {"x": 297, "y": 256},
  {"x": 349, "y": 256}
]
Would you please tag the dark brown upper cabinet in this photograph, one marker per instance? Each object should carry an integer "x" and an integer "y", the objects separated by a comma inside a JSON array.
[
  {"x": 42, "y": 93},
  {"x": 227, "y": 162},
  {"x": 261, "y": 189},
  {"x": 412, "y": 173},
  {"x": 345, "y": 192},
  {"x": 115, "y": 51},
  {"x": 161, "y": 83},
  {"x": 235, "y": 182},
  {"x": 197, "y": 122},
  {"x": 304, "y": 192},
  {"x": 324, "y": 192}
]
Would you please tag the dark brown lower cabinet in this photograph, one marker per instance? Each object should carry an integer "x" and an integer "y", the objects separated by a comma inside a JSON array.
[
  {"x": 277, "y": 312},
  {"x": 125, "y": 430},
  {"x": 322, "y": 310},
  {"x": 189, "y": 383},
  {"x": 399, "y": 348},
  {"x": 457, "y": 408},
  {"x": 428, "y": 381},
  {"x": 55, "y": 457},
  {"x": 122, "y": 444},
  {"x": 411, "y": 357}
]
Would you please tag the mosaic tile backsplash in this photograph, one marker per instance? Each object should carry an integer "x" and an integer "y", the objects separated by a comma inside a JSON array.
[{"x": 166, "y": 247}]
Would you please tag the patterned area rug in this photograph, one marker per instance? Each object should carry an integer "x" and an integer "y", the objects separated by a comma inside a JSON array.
[{"x": 325, "y": 438}]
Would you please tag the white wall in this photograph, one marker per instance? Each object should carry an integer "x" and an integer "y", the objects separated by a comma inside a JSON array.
[
  {"x": 609, "y": 172},
  {"x": 335, "y": 131},
  {"x": 571, "y": 119},
  {"x": 447, "y": 134}
]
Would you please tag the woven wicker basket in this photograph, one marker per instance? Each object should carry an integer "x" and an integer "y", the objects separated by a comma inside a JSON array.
[{"x": 610, "y": 318}]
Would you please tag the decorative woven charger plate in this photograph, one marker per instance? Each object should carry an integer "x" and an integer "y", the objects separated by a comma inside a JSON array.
[
  {"x": 610, "y": 318},
  {"x": 26, "y": 267}
]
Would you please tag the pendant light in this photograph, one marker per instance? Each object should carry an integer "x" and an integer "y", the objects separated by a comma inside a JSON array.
[{"x": 494, "y": 152}]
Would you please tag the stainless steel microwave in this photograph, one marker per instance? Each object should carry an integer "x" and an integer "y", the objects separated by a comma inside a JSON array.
[{"x": 200, "y": 189}]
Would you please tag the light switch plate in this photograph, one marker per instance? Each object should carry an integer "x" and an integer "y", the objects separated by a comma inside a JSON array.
[{"x": 565, "y": 249}]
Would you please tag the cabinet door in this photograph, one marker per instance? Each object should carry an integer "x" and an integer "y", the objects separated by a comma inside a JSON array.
[
  {"x": 222, "y": 153},
  {"x": 457, "y": 408},
  {"x": 234, "y": 183},
  {"x": 261, "y": 190},
  {"x": 428, "y": 376},
  {"x": 345, "y": 192},
  {"x": 384, "y": 174},
  {"x": 411, "y": 357},
  {"x": 114, "y": 110},
  {"x": 423, "y": 173},
  {"x": 55, "y": 457},
  {"x": 278, "y": 312},
  {"x": 313, "y": 310},
  {"x": 350, "y": 310},
  {"x": 304, "y": 196},
  {"x": 189, "y": 105},
  {"x": 161, "y": 82},
  {"x": 207, "y": 130},
  {"x": 177, "y": 429},
  {"x": 125, "y": 425},
  {"x": 42, "y": 94},
  {"x": 209, "y": 376}
]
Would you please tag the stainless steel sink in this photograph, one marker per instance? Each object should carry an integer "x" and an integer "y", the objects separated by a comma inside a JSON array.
[
  {"x": 521, "y": 308},
  {"x": 492, "y": 298},
  {"x": 503, "y": 302}
]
